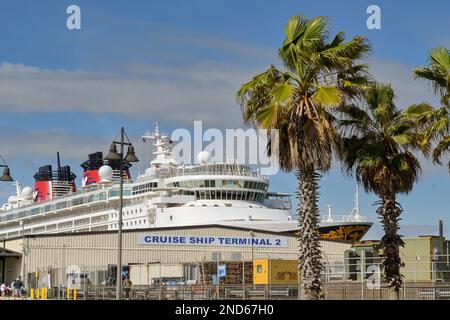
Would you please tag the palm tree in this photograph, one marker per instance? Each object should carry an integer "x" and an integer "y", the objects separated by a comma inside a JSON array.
[
  {"x": 438, "y": 75},
  {"x": 298, "y": 100},
  {"x": 378, "y": 141}
]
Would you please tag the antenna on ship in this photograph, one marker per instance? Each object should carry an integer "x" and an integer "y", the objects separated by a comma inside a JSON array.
[
  {"x": 18, "y": 188},
  {"x": 357, "y": 216},
  {"x": 330, "y": 217},
  {"x": 161, "y": 148}
]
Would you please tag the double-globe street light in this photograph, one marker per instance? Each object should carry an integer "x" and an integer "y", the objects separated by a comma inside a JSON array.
[
  {"x": 6, "y": 177},
  {"x": 130, "y": 157}
]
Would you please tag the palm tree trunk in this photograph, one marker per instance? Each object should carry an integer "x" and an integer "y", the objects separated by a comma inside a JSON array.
[
  {"x": 389, "y": 213},
  {"x": 310, "y": 254}
]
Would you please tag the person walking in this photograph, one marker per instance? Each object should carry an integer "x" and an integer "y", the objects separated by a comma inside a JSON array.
[
  {"x": 127, "y": 287},
  {"x": 3, "y": 289},
  {"x": 17, "y": 287}
]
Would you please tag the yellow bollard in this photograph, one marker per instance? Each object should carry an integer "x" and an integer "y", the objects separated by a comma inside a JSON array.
[
  {"x": 31, "y": 293},
  {"x": 75, "y": 294},
  {"x": 68, "y": 293},
  {"x": 38, "y": 293},
  {"x": 44, "y": 294}
]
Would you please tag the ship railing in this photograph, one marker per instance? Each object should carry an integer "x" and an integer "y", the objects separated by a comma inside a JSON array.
[
  {"x": 235, "y": 170},
  {"x": 344, "y": 218}
]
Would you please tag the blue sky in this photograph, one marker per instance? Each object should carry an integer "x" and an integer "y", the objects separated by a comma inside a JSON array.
[{"x": 134, "y": 62}]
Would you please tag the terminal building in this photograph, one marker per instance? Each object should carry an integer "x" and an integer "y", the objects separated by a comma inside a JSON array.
[{"x": 49, "y": 258}]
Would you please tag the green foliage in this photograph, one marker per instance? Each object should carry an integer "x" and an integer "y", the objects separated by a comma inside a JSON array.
[
  {"x": 435, "y": 123},
  {"x": 298, "y": 100},
  {"x": 378, "y": 141}
]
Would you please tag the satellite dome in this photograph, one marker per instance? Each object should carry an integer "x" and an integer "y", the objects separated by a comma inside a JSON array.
[
  {"x": 27, "y": 193},
  {"x": 203, "y": 157},
  {"x": 105, "y": 172}
]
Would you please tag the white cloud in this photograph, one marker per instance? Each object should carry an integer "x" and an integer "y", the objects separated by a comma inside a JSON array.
[
  {"x": 170, "y": 94},
  {"x": 45, "y": 143},
  {"x": 407, "y": 89}
]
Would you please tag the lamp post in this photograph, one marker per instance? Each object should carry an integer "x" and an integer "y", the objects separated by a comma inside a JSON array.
[
  {"x": 5, "y": 177},
  {"x": 130, "y": 157},
  {"x": 22, "y": 224},
  {"x": 252, "y": 235}
]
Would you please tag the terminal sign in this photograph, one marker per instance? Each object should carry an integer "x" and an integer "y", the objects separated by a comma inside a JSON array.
[{"x": 272, "y": 242}]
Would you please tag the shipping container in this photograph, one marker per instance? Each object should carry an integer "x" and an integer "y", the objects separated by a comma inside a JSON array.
[
  {"x": 151, "y": 273},
  {"x": 268, "y": 271}
]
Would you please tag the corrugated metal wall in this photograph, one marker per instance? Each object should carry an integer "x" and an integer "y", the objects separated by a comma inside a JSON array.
[{"x": 89, "y": 250}]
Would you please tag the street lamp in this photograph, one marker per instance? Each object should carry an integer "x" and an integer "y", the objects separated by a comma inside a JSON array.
[
  {"x": 252, "y": 235},
  {"x": 130, "y": 157},
  {"x": 22, "y": 224},
  {"x": 6, "y": 175}
]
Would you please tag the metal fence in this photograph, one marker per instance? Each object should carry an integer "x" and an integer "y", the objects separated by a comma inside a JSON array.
[
  {"x": 345, "y": 277},
  {"x": 332, "y": 291}
]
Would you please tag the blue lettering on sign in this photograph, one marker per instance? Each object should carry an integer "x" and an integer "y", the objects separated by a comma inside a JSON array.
[{"x": 213, "y": 241}]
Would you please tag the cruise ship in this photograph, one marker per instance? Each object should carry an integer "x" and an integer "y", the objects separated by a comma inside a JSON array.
[{"x": 167, "y": 194}]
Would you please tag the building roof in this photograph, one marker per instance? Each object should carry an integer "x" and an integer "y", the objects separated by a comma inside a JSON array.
[{"x": 9, "y": 253}]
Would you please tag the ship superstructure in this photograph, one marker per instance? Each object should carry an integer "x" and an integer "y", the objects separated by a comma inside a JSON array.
[{"x": 167, "y": 194}]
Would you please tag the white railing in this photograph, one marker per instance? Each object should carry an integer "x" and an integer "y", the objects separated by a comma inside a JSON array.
[{"x": 344, "y": 218}]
